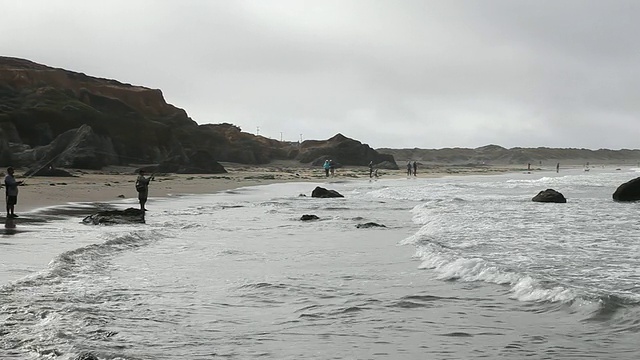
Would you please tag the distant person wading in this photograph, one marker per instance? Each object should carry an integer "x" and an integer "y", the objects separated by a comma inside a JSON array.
[{"x": 142, "y": 187}]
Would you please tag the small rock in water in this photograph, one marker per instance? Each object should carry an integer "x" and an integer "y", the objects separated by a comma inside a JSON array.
[
  {"x": 309, "y": 217},
  {"x": 369, "y": 225}
]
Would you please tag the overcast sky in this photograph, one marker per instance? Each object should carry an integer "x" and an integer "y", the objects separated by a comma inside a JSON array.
[{"x": 400, "y": 74}]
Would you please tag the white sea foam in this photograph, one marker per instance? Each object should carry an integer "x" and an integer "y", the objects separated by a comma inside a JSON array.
[{"x": 522, "y": 287}]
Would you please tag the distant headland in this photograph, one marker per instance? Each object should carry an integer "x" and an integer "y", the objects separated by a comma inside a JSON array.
[{"x": 497, "y": 155}]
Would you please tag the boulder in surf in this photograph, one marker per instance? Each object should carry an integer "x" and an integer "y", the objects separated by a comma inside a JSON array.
[
  {"x": 320, "y": 192},
  {"x": 549, "y": 195},
  {"x": 629, "y": 191}
]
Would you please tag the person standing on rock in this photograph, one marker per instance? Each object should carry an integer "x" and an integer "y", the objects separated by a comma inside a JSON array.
[
  {"x": 11, "y": 186},
  {"x": 415, "y": 168},
  {"x": 409, "y": 168},
  {"x": 142, "y": 187},
  {"x": 370, "y": 169}
]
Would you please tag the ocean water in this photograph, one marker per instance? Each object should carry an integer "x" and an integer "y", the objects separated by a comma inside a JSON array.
[{"x": 465, "y": 268}]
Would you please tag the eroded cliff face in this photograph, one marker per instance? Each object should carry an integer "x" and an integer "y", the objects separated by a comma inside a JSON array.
[
  {"x": 39, "y": 103},
  {"x": 71, "y": 119},
  {"x": 23, "y": 75}
]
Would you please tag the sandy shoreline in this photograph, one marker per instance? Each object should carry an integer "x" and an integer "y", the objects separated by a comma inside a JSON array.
[{"x": 117, "y": 183}]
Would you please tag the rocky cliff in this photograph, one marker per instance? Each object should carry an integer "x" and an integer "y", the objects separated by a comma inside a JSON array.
[
  {"x": 68, "y": 119},
  {"x": 38, "y": 104}
]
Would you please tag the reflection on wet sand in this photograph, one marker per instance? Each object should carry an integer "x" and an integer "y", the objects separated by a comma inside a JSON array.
[{"x": 9, "y": 226}]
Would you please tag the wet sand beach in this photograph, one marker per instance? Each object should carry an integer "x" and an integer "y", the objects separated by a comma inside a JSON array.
[{"x": 117, "y": 183}]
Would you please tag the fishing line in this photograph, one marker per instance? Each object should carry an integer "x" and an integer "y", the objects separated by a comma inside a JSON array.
[{"x": 45, "y": 164}]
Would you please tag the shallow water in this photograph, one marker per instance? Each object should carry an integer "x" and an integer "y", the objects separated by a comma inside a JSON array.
[{"x": 466, "y": 267}]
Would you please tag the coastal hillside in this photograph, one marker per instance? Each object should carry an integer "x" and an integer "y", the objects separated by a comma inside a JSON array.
[
  {"x": 69, "y": 119},
  {"x": 497, "y": 155}
]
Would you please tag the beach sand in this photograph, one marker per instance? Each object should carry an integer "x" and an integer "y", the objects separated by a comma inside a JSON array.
[{"x": 117, "y": 183}]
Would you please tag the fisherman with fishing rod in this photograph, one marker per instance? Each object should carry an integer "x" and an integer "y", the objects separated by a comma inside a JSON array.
[
  {"x": 142, "y": 186},
  {"x": 11, "y": 186}
]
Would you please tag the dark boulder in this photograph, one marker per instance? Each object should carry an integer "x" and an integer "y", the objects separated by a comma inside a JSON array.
[
  {"x": 112, "y": 217},
  {"x": 369, "y": 225},
  {"x": 320, "y": 192},
  {"x": 199, "y": 162},
  {"x": 629, "y": 191},
  {"x": 48, "y": 171},
  {"x": 309, "y": 217},
  {"x": 549, "y": 195}
]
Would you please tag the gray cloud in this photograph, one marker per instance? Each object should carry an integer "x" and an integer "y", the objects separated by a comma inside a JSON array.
[{"x": 397, "y": 74}]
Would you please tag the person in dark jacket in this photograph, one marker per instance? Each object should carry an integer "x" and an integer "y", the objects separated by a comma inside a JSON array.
[
  {"x": 142, "y": 187},
  {"x": 11, "y": 186}
]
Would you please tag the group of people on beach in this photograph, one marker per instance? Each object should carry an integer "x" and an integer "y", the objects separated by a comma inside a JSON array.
[
  {"x": 412, "y": 169},
  {"x": 11, "y": 190},
  {"x": 372, "y": 172},
  {"x": 329, "y": 167}
]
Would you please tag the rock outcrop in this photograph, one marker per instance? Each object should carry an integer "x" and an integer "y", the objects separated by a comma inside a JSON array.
[
  {"x": 629, "y": 191},
  {"x": 549, "y": 195},
  {"x": 320, "y": 192},
  {"x": 341, "y": 150}
]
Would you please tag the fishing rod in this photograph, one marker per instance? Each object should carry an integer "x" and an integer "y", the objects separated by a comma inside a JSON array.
[
  {"x": 22, "y": 182},
  {"x": 45, "y": 164}
]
